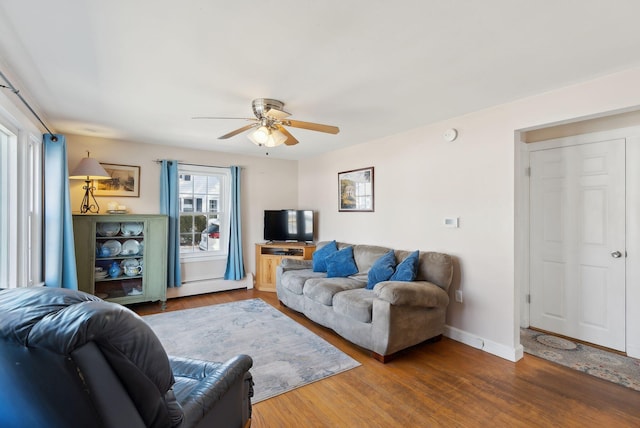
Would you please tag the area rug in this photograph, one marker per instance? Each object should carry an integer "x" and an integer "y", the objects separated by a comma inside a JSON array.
[
  {"x": 596, "y": 362},
  {"x": 285, "y": 354}
]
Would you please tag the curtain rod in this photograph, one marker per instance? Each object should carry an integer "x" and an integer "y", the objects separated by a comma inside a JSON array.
[
  {"x": 193, "y": 164},
  {"x": 17, "y": 92}
]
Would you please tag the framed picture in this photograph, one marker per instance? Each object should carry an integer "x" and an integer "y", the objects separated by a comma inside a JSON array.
[
  {"x": 355, "y": 189},
  {"x": 125, "y": 181}
]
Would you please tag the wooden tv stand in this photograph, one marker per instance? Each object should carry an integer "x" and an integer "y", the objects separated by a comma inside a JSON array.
[{"x": 269, "y": 255}]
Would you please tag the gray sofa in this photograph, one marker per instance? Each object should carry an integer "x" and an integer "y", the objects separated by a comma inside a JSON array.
[{"x": 392, "y": 316}]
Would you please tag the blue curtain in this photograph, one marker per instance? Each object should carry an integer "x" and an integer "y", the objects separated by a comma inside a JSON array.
[
  {"x": 169, "y": 205},
  {"x": 235, "y": 262},
  {"x": 59, "y": 250}
]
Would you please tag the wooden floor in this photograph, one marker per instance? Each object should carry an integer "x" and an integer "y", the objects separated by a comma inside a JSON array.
[{"x": 438, "y": 384}]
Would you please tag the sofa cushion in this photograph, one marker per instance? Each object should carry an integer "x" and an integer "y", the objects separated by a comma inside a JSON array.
[
  {"x": 382, "y": 269},
  {"x": 293, "y": 280},
  {"x": 436, "y": 268},
  {"x": 407, "y": 269},
  {"x": 322, "y": 290},
  {"x": 356, "y": 304},
  {"x": 341, "y": 263},
  {"x": 366, "y": 255},
  {"x": 320, "y": 256}
]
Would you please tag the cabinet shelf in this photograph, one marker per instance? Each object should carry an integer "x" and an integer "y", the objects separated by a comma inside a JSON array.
[
  {"x": 117, "y": 278},
  {"x": 269, "y": 256},
  {"x": 150, "y": 285},
  {"x": 140, "y": 236},
  {"x": 119, "y": 257}
]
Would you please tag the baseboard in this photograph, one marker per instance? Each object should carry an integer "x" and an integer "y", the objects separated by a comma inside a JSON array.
[
  {"x": 209, "y": 286},
  {"x": 497, "y": 349},
  {"x": 633, "y": 351}
]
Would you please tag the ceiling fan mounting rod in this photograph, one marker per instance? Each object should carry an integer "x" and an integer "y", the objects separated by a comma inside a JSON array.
[{"x": 262, "y": 105}]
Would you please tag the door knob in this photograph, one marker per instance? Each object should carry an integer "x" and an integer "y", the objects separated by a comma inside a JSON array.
[{"x": 616, "y": 254}]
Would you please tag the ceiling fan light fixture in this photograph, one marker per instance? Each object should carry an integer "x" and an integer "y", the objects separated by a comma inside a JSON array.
[
  {"x": 260, "y": 135},
  {"x": 268, "y": 137}
]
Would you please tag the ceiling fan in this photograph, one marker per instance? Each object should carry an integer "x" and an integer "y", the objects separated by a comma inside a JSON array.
[{"x": 270, "y": 122}]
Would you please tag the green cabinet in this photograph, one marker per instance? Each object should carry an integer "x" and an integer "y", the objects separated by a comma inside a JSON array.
[{"x": 122, "y": 258}]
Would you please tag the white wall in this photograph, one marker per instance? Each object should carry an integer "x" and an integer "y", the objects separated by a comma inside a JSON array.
[
  {"x": 266, "y": 183},
  {"x": 420, "y": 179}
]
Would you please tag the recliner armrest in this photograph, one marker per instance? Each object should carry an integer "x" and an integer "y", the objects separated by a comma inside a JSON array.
[
  {"x": 200, "y": 385},
  {"x": 413, "y": 293}
]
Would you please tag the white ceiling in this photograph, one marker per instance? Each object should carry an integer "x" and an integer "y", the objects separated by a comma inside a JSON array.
[{"x": 139, "y": 70}]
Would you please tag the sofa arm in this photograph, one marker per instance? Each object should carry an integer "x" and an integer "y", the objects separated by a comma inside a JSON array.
[
  {"x": 414, "y": 293},
  {"x": 291, "y": 264}
]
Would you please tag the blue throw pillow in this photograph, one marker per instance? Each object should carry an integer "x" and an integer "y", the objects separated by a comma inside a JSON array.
[
  {"x": 407, "y": 269},
  {"x": 341, "y": 263},
  {"x": 320, "y": 256},
  {"x": 382, "y": 269}
]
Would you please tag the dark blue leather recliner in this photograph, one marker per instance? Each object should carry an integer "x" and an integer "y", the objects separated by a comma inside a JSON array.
[{"x": 69, "y": 359}]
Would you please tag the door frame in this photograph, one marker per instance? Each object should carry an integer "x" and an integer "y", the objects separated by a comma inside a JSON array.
[{"x": 632, "y": 202}]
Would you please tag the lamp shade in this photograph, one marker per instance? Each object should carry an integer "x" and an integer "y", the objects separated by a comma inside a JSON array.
[
  {"x": 268, "y": 137},
  {"x": 89, "y": 169}
]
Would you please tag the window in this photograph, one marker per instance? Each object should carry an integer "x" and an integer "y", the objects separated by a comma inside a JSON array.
[
  {"x": 7, "y": 154},
  {"x": 186, "y": 204},
  {"x": 204, "y": 210},
  {"x": 20, "y": 207}
]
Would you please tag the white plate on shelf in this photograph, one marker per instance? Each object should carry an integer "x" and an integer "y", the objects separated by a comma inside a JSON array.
[
  {"x": 114, "y": 247},
  {"x": 108, "y": 229},
  {"x": 131, "y": 247},
  {"x": 129, "y": 262},
  {"x": 131, "y": 228}
]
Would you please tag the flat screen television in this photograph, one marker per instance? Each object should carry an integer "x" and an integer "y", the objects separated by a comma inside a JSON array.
[{"x": 288, "y": 225}]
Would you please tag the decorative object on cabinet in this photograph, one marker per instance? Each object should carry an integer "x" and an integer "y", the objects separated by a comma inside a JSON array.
[
  {"x": 113, "y": 246},
  {"x": 110, "y": 258},
  {"x": 108, "y": 229},
  {"x": 131, "y": 247},
  {"x": 355, "y": 190},
  {"x": 269, "y": 256},
  {"x": 114, "y": 270},
  {"x": 134, "y": 229},
  {"x": 123, "y": 180},
  {"x": 89, "y": 169}
]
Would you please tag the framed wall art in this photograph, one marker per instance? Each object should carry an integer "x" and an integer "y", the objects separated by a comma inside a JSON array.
[
  {"x": 355, "y": 190},
  {"x": 125, "y": 181}
]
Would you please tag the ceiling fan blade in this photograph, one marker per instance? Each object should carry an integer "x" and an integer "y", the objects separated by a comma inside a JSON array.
[
  {"x": 274, "y": 113},
  {"x": 239, "y": 130},
  {"x": 311, "y": 126},
  {"x": 291, "y": 140},
  {"x": 214, "y": 117}
]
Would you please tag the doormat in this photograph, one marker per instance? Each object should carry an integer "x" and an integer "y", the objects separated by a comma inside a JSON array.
[
  {"x": 285, "y": 354},
  {"x": 587, "y": 359}
]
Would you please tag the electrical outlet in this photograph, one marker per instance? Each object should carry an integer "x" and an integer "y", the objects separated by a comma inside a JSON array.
[{"x": 459, "y": 296}]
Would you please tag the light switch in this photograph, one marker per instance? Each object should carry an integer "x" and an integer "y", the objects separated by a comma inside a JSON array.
[{"x": 451, "y": 222}]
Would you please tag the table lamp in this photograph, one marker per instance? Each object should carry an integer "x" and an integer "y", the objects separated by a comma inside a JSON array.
[{"x": 89, "y": 169}]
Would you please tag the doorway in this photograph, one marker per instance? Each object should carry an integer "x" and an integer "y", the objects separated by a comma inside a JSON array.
[{"x": 577, "y": 240}]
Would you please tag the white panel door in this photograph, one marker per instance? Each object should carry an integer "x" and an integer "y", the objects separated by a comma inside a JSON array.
[{"x": 578, "y": 242}]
